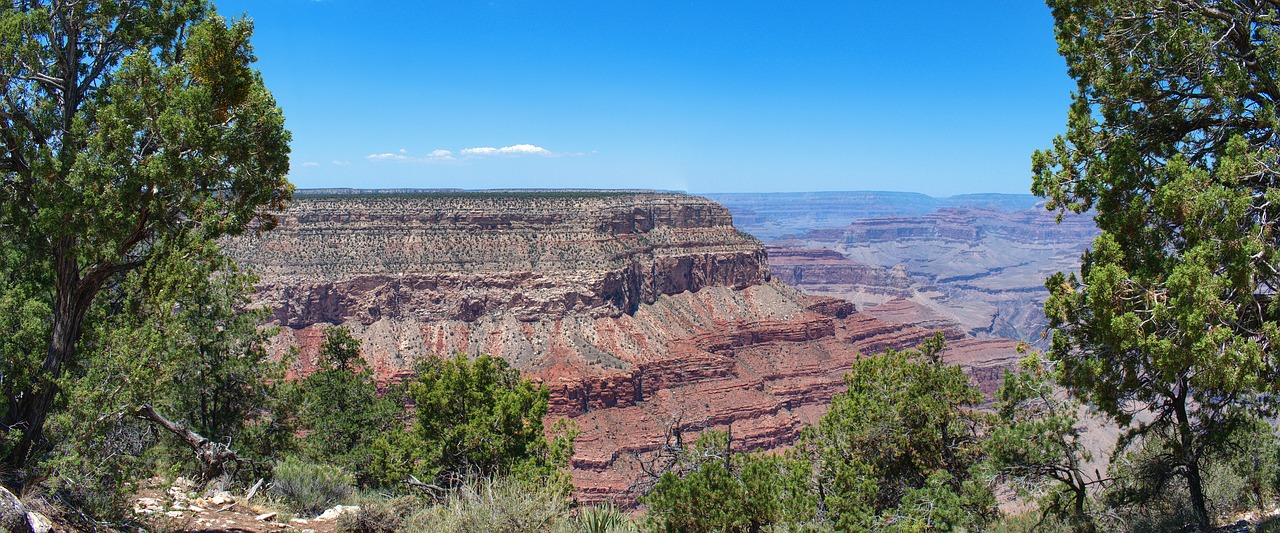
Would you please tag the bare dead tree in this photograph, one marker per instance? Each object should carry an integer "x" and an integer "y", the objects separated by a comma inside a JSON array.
[
  {"x": 215, "y": 457},
  {"x": 672, "y": 457}
]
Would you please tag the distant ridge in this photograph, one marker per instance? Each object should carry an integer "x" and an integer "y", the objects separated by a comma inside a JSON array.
[
  {"x": 770, "y": 216},
  {"x": 347, "y": 191}
]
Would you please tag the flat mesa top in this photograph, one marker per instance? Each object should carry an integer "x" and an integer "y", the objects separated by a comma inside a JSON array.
[{"x": 478, "y": 193}]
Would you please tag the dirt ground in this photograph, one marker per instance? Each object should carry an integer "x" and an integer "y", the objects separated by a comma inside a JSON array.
[{"x": 181, "y": 508}]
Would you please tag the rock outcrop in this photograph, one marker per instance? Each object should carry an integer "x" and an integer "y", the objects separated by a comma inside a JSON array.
[
  {"x": 824, "y": 270},
  {"x": 772, "y": 216},
  {"x": 461, "y": 256},
  {"x": 640, "y": 311},
  {"x": 983, "y": 268}
]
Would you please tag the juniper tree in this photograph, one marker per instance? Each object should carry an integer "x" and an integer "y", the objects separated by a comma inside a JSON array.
[
  {"x": 901, "y": 449},
  {"x": 1171, "y": 140},
  {"x": 122, "y": 123}
]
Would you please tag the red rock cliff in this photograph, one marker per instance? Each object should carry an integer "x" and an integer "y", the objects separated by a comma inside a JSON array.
[
  {"x": 639, "y": 311},
  {"x": 436, "y": 257}
]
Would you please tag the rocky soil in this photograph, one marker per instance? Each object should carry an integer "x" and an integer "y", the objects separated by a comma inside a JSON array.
[
  {"x": 181, "y": 507},
  {"x": 642, "y": 312}
]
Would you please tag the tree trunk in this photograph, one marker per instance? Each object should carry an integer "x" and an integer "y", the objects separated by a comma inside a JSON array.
[
  {"x": 1080, "y": 520},
  {"x": 72, "y": 297},
  {"x": 1195, "y": 484},
  {"x": 214, "y": 457},
  {"x": 1190, "y": 459}
]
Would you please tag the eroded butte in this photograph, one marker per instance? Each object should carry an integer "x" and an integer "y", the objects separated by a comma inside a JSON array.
[{"x": 639, "y": 310}]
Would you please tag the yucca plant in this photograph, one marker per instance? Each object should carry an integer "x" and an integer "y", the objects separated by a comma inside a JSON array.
[{"x": 604, "y": 519}]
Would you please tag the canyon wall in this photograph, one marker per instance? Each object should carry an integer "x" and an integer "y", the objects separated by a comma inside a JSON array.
[
  {"x": 976, "y": 260},
  {"x": 640, "y": 311}
]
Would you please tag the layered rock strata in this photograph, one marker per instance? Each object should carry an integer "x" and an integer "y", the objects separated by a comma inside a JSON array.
[
  {"x": 983, "y": 268},
  {"x": 640, "y": 311},
  {"x": 460, "y": 256},
  {"x": 819, "y": 271}
]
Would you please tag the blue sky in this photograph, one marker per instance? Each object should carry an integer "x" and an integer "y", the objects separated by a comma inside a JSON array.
[{"x": 935, "y": 97}]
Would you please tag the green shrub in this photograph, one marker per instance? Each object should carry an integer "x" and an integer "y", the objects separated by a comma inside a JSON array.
[
  {"x": 503, "y": 505},
  {"x": 310, "y": 488},
  {"x": 1031, "y": 521},
  {"x": 480, "y": 416},
  {"x": 346, "y": 418},
  {"x": 713, "y": 490},
  {"x": 378, "y": 515}
]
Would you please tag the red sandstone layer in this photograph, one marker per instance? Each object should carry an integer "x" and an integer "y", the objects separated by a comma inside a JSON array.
[{"x": 639, "y": 312}]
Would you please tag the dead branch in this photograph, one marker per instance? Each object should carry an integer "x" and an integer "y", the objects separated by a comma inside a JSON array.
[{"x": 214, "y": 457}]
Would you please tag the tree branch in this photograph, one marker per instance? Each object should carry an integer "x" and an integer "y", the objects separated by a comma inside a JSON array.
[{"x": 214, "y": 457}]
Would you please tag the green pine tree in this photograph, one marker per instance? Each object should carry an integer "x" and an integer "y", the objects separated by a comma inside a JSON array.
[{"x": 1171, "y": 141}]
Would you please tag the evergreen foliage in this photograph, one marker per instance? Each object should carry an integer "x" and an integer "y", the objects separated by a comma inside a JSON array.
[
  {"x": 177, "y": 335},
  {"x": 479, "y": 417},
  {"x": 125, "y": 126},
  {"x": 713, "y": 489},
  {"x": 344, "y": 416},
  {"x": 472, "y": 418},
  {"x": 901, "y": 449},
  {"x": 1036, "y": 444},
  {"x": 1172, "y": 142}
]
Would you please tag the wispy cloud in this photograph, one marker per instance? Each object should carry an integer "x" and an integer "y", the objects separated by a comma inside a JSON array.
[
  {"x": 398, "y": 155},
  {"x": 441, "y": 156},
  {"x": 388, "y": 157},
  {"x": 309, "y": 164},
  {"x": 518, "y": 149}
]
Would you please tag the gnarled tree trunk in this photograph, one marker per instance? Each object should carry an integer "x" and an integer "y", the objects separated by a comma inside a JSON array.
[{"x": 214, "y": 457}]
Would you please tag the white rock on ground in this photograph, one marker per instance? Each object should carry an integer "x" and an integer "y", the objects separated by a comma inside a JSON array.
[
  {"x": 39, "y": 523},
  {"x": 336, "y": 511},
  {"x": 147, "y": 506},
  {"x": 180, "y": 488},
  {"x": 221, "y": 498}
]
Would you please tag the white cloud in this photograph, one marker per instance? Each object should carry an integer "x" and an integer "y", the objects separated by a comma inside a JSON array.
[
  {"x": 523, "y": 149},
  {"x": 387, "y": 157},
  {"x": 309, "y": 164},
  {"x": 439, "y": 156},
  {"x": 404, "y": 157},
  {"x": 481, "y": 151},
  {"x": 517, "y": 149},
  {"x": 340, "y": 163}
]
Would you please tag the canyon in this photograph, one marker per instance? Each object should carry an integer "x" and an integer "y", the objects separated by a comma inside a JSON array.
[
  {"x": 642, "y": 312},
  {"x": 977, "y": 260}
]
